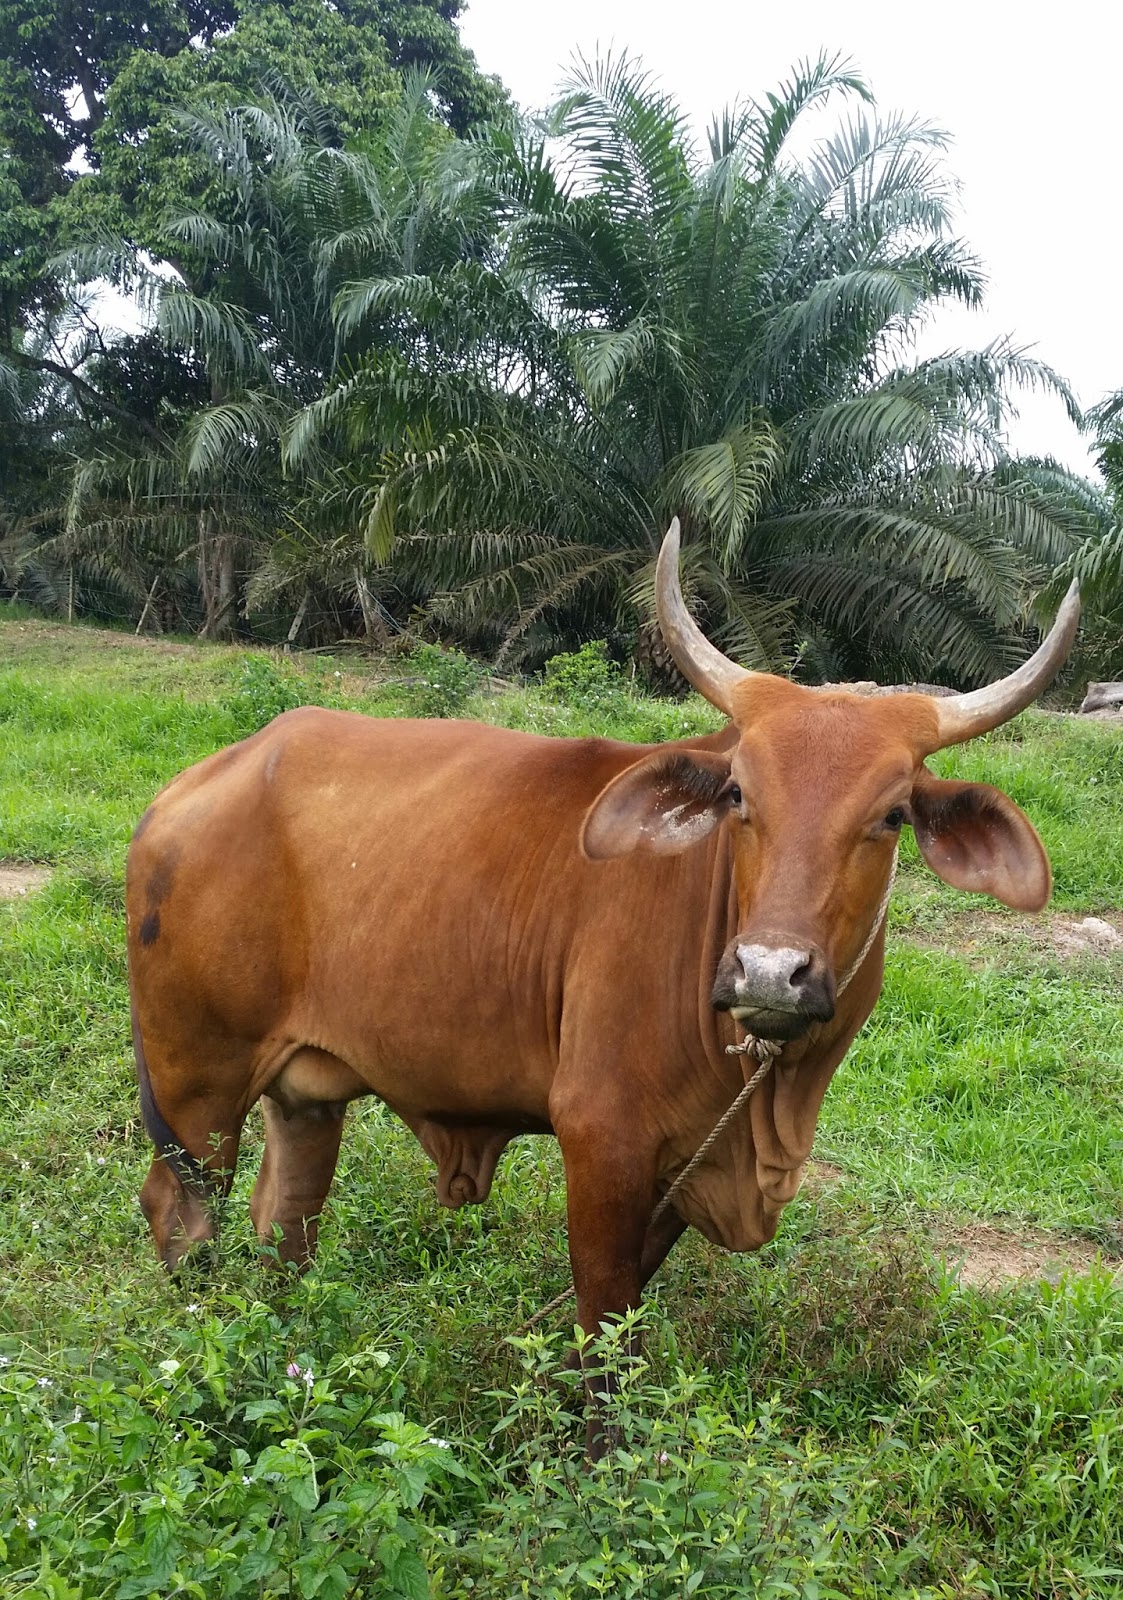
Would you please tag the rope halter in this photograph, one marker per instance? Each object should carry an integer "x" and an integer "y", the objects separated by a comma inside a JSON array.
[{"x": 765, "y": 1051}]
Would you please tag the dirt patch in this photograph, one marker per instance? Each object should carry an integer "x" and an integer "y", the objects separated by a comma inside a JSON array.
[
  {"x": 80, "y": 636},
  {"x": 1074, "y": 935},
  {"x": 16, "y": 880},
  {"x": 1060, "y": 934},
  {"x": 823, "y": 1172},
  {"x": 986, "y": 1257}
]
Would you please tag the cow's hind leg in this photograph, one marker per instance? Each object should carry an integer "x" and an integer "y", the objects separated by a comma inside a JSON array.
[
  {"x": 304, "y": 1107},
  {"x": 301, "y": 1149},
  {"x": 192, "y": 1172},
  {"x": 195, "y": 1128}
]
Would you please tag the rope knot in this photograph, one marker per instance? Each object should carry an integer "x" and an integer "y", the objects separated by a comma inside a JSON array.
[{"x": 761, "y": 1050}]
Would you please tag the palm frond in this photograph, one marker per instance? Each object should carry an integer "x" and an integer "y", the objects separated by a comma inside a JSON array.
[{"x": 722, "y": 485}]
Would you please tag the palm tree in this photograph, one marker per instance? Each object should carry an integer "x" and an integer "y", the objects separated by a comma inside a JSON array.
[
  {"x": 725, "y": 335},
  {"x": 1099, "y": 560},
  {"x": 290, "y": 216}
]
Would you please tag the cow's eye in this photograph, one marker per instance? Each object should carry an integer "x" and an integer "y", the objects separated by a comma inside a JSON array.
[
  {"x": 735, "y": 795},
  {"x": 895, "y": 818}
]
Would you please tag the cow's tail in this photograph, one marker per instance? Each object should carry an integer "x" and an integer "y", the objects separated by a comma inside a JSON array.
[{"x": 187, "y": 1169}]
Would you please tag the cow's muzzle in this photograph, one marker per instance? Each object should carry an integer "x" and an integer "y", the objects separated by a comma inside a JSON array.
[{"x": 777, "y": 990}]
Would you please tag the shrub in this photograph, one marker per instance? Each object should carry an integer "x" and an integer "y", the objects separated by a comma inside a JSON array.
[
  {"x": 691, "y": 1500},
  {"x": 448, "y": 679},
  {"x": 583, "y": 678},
  {"x": 264, "y": 689},
  {"x": 233, "y": 1467}
]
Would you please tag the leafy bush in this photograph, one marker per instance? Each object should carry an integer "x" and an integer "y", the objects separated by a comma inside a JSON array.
[
  {"x": 691, "y": 1500},
  {"x": 448, "y": 679},
  {"x": 229, "y": 1468},
  {"x": 264, "y": 689},
  {"x": 583, "y": 678}
]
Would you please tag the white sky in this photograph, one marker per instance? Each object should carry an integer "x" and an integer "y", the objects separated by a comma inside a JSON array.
[{"x": 1029, "y": 92}]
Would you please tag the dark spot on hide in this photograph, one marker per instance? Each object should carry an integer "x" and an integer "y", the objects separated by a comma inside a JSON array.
[
  {"x": 142, "y": 825},
  {"x": 150, "y": 929},
  {"x": 159, "y": 884}
]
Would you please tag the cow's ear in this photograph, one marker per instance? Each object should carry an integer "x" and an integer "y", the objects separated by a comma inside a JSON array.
[
  {"x": 662, "y": 804},
  {"x": 975, "y": 837}
]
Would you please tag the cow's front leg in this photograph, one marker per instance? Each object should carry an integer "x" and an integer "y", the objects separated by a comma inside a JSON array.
[
  {"x": 658, "y": 1242},
  {"x": 610, "y": 1192}
]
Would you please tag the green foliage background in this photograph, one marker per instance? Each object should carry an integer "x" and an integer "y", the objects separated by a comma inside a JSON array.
[{"x": 416, "y": 365}]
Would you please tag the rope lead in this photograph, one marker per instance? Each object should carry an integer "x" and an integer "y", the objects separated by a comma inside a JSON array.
[{"x": 763, "y": 1051}]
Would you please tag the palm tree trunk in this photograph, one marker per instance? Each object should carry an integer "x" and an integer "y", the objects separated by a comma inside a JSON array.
[
  {"x": 654, "y": 664},
  {"x": 217, "y": 580},
  {"x": 377, "y": 634},
  {"x": 297, "y": 621}
]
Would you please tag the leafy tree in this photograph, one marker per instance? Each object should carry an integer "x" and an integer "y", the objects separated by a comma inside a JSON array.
[
  {"x": 90, "y": 141},
  {"x": 286, "y": 216},
  {"x": 722, "y": 334},
  {"x": 1099, "y": 562},
  {"x": 94, "y": 146}
]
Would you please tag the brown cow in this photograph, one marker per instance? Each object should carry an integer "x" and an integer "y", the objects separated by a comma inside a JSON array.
[{"x": 498, "y": 933}]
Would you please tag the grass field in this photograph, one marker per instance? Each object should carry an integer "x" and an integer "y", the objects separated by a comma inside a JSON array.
[{"x": 837, "y": 1416}]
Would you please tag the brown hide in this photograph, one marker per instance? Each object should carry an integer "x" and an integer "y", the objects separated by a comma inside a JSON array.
[{"x": 342, "y": 906}]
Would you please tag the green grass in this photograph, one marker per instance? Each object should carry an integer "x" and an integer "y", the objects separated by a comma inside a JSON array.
[{"x": 832, "y": 1417}]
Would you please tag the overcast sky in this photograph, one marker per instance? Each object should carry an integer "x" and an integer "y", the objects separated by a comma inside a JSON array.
[{"x": 1029, "y": 93}]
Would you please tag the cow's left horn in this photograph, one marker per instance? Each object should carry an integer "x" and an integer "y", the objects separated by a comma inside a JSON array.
[
  {"x": 962, "y": 716},
  {"x": 701, "y": 663}
]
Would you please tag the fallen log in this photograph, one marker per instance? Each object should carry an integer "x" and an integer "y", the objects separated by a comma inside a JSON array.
[{"x": 1103, "y": 697}]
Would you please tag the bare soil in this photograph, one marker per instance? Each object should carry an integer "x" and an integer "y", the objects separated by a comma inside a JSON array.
[
  {"x": 823, "y": 1172},
  {"x": 986, "y": 1257},
  {"x": 17, "y": 880},
  {"x": 88, "y": 638},
  {"x": 1057, "y": 933}
]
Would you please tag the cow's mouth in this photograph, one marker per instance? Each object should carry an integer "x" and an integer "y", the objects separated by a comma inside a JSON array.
[{"x": 767, "y": 1023}]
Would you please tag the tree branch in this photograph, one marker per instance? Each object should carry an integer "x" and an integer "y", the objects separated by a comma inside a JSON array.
[{"x": 83, "y": 390}]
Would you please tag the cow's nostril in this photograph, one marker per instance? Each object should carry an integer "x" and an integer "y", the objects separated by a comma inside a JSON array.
[
  {"x": 775, "y": 967},
  {"x": 800, "y": 973}
]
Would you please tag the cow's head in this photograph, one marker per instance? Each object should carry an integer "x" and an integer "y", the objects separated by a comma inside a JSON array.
[{"x": 814, "y": 790}]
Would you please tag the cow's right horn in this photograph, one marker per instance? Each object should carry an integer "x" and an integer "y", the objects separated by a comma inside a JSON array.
[
  {"x": 701, "y": 663},
  {"x": 963, "y": 716}
]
